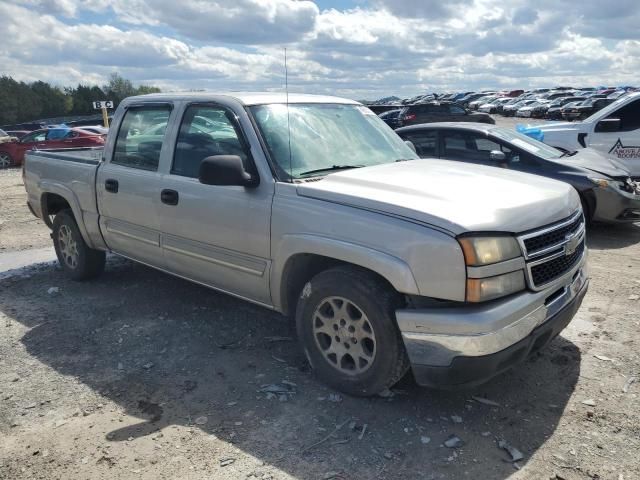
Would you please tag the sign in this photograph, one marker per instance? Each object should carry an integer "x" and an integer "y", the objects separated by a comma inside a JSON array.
[{"x": 103, "y": 104}]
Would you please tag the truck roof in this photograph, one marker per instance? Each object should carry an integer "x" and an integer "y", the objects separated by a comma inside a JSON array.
[{"x": 245, "y": 98}]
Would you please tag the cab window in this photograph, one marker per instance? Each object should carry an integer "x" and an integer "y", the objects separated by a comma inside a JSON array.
[
  {"x": 205, "y": 131},
  {"x": 140, "y": 137},
  {"x": 629, "y": 116}
]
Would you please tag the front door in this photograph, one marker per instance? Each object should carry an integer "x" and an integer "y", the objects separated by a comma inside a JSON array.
[
  {"x": 623, "y": 144},
  {"x": 129, "y": 185},
  {"x": 217, "y": 235}
]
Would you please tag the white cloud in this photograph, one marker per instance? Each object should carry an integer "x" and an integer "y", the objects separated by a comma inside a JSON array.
[{"x": 381, "y": 47}]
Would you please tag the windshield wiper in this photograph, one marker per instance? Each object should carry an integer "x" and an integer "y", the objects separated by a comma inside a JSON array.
[{"x": 332, "y": 168}]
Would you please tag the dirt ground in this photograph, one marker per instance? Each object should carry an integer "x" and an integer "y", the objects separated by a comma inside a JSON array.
[{"x": 140, "y": 375}]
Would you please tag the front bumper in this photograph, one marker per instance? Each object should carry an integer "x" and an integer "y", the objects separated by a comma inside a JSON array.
[
  {"x": 614, "y": 205},
  {"x": 468, "y": 345}
]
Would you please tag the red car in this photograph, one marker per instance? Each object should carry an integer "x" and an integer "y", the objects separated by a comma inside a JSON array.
[{"x": 12, "y": 153}]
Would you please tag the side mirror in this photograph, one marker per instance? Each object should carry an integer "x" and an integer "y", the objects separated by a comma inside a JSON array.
[
  {"x": 411, "y": 145},
  {"x": 608, "y": 125},
  {"x": 497, "y": 156},
  {"x": 225, "y": 170}
]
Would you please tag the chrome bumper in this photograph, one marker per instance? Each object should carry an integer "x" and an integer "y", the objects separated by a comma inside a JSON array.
[{"x": 435, "y": 336}]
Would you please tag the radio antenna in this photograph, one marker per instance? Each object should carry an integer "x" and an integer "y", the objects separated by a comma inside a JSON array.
[{"x": 286, "y": 89}]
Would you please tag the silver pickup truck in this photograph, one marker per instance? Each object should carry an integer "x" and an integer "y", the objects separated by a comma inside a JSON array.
[{"x": 316, "y": 209}]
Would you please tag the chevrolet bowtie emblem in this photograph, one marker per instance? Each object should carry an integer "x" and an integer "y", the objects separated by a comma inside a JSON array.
[{"x": 572, "y": 243}]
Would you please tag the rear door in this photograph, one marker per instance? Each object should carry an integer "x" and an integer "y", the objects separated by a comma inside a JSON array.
[
  {"x": 216, "y": 235},
  {"x": 128, "y": 185}
]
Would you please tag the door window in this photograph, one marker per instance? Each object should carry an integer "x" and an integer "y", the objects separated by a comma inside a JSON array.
[
  {"x": 473, "y": 147},
  {"x": 629, "y": 116},
  {"x": 140, "y": 137},
  {"x": 205, "y": 131},
  {"x": 425, "y": 143},
  {"x": 34, "y": 137}
]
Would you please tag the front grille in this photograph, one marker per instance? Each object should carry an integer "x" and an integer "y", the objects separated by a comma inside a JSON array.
[
  {"x": 551, "y": 238},
  {"x": 553, "y": 269},
  {"x": 546, "y": 251}
]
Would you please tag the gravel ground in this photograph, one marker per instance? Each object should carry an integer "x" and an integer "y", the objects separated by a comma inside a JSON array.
[{"x": 140, "y": 375}]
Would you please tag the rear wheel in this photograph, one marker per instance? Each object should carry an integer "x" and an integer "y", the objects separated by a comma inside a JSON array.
[
  {"x": 76, "y": 258},
  {"x": 346, "y": 322},
  {"x": 5, "y": 160}
]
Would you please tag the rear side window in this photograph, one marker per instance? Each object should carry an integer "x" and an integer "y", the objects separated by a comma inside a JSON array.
[
  {"x": 205, "y": 131},
  {"x": 140, "y": 137},
  {"x": 425, "y": 143}
]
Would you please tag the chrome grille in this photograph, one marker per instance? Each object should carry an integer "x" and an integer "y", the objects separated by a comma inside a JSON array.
[{"x": 552, "y": 252}]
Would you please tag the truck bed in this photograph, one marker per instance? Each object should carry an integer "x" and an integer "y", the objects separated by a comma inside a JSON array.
[{"x": 70, "y": 174}]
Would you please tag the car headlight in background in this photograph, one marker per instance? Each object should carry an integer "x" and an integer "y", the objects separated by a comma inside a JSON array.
[
  {"x": 483, "y": 289},
  {"x": 480, "y": 251}
]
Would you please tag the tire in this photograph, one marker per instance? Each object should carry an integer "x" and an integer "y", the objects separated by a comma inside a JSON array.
[
  {"x": 5, "y": 160},
  {"x": 76, "y": 258},
  {"x": 586, "y": 209},
  {"x": 358, "y": 310}
]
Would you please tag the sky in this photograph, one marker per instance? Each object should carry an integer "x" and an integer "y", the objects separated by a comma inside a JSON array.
[{"x": 363, "y": 49}]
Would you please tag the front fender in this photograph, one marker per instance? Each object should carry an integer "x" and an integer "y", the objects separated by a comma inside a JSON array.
[
  {"x": 69, "y": 195},
  {"x": 394, "y": 270}
]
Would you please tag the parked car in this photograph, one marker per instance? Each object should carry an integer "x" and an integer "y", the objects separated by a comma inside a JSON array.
[
  {"x": 614, "y": 130},
  {"x": 97, "y": 129},
  {"x": 527, "y": 109},
  {"x": 607, "y": 192},
  {"x": 511, "y": 109},
  {"x": 555, "y": 112},
  {"x": 17, "y": 133},
  {"x": 475, "y": 104},
  {"x": 541, "y": 112},
  {"x": 441, "y": 112},
  {"x": 306, "y": 208},
  {"x": 492, "y": 107},
  {"x": 392, "y": 118},
  {"x": 464, "y": 101},
  {"x": 584, "y": 109},
  {"x": 4, "y": 136},
  {"x": 12, "y": 153}
]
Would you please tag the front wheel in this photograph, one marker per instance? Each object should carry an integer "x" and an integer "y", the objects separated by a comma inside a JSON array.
[
  {"x": 345, "y": 320},
  {"x": 5, "y": 160},
  {"x": 76, "y": 258}
]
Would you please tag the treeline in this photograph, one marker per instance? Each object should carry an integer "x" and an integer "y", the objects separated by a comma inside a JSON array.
[{"x": 23, "y": 102}]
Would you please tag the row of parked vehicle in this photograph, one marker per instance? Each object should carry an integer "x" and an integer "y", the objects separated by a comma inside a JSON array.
[
  {"x": 558, "y": 104},
  {"x": 15, "y": 143}
]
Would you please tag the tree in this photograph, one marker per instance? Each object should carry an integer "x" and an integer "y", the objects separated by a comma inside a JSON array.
[{"x": 23, "y": 102}]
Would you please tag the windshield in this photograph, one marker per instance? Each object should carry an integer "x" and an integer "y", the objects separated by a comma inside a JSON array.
[
  {"x": 326, "y": 136},
  {"x": 3, "y": 133},
  {"x": 527, "y": 143}
]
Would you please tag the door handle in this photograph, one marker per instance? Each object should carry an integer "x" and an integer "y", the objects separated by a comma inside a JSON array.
[
  {"x": 111, "y": 185},
  {"x": 169, "y": 197}
]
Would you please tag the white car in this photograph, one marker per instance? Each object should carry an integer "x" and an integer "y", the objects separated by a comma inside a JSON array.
[
  {"x": 491, "y": 107},
  {"x": 614, "y": 131},
  {"x": 526, "y": 111}
]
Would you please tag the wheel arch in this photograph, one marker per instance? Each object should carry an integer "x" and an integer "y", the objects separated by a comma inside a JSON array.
[
  {"x": 56, "y": 198},
  {"x": 302, "y": 257}
]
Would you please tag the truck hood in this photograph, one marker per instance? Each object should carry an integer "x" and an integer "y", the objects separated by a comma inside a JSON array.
[
  {"x": 453, "y": 196},
  {"x": 593, "y": 160}
]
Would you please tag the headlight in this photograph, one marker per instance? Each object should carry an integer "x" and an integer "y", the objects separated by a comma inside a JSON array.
[
  {"x": 601, "y": 182},
  {"x": 480, "y": 251},
  {"x": 482, "y": 289}
]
